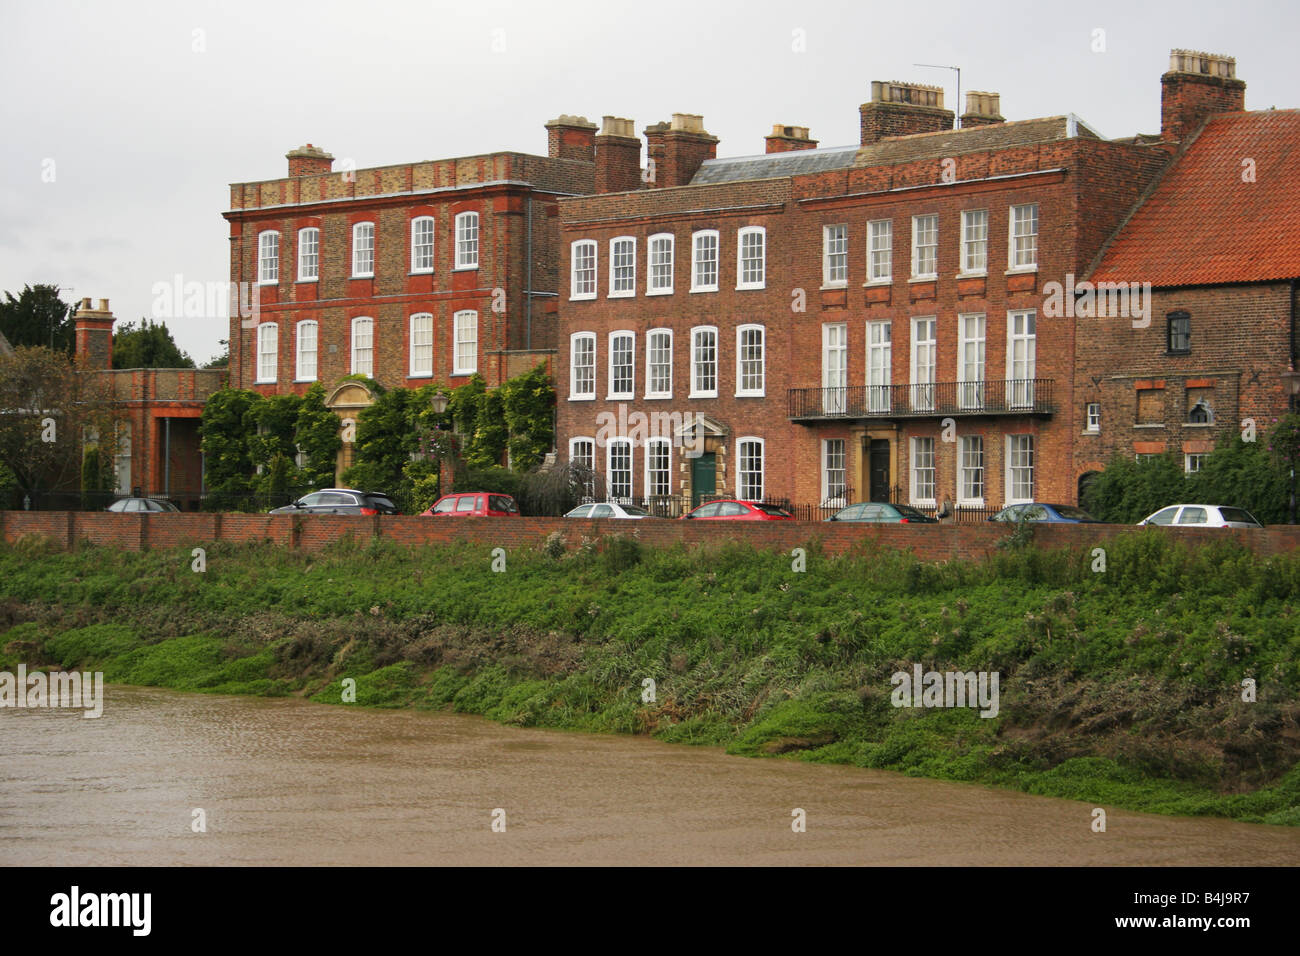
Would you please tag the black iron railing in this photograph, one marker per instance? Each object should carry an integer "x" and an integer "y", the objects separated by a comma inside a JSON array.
[{"x": 1017, "y": 396}]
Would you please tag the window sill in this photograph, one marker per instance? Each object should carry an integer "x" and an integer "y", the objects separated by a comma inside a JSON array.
[
  {"x": 751, "y": 288},
  {"x": 473, "y": 268},
  {"x": 982, "y": 274},
  {"x": 583, "y": 298},
  {"x": 370, "y": 276},
  {"x": 933, "y": 278},
  {"x": 419, "y": 375},
  {"x": 262, "y": 283},
  {"x": 875, "y": 283},
  {"x": 705, "y": 288},
  {"x": 620, "y": 398},
  {"x": 658, "y": 397},
  {"x": 659, "y": 292},
  {"x": 828, "y": 286},
  {"x": 304, "y": 381},
  {"x": 1021, "y": 270},
  {"x": 621, "y": 295},
  {"x": 301, "y": 281},
  {"x": 702, "y": 395},
  {"x": 463, "y": 371},
  {"x": 582, "y": 398},
  {"x": 1200, "y": 425},
  {"x": 750, "y": 395},
  {"x": 420, "y": 272},
  {"x": 1150, "y": 425}
]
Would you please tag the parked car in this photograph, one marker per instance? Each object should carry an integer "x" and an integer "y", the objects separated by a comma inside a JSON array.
[
  {"x": 473, "y": 504},
  {"x": 1203, "y": 516},
  {"x": 876, "y": 512},
  {"x": 1038, "y": 511},
  {"x": 137, "y": 505},
  {"x": 340, "y": 501},
  {"x": 732, "y": 510},
  {"x": 609, "y": 509}
]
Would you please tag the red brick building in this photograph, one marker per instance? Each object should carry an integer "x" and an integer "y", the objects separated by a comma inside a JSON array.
[{"x": 869, "y": 322}]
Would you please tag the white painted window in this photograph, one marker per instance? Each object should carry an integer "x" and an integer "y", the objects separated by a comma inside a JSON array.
[
  {"x": 750, "y": 360},
  {"x": 1093, "y": 417},
  {"x": 1020, "y": 468},
  {"x": 751, "y": 258},
  {"x": 659, "y": 277},
  {"x": 421, "y": 345},
  {"x": 465, "y": 361},
  {"x": 268, "y": 258},
  {"x": 467, "y": 240},
  {"x": 622, "y": 364},
  {"x": 970, "y": 361},
  {"x": 924, "y": 348},
  {"x": 659, "y": 363},
  {"x": 880, "y": 362},
  {"x": 1192, "y": 462},
  {"x": 306, "y": 367},
  {"x": 1024, "y": 236},
  {"x": 1021, "y": 359},
  {"x": 658, "y": 467},
  {"x": 582, "y": 454},
  {"x": 749, "y": 469},
  {"x": 622, "y": 267},
  {"x": 835, "y": 255},
  {"x": 422, "y": 244},
  {"x": 704, "y": 261},
  {"x": 363, "y": 250},
  {"x": 925, "y": 247},
  {"x": 582, "y": 283},
  {"x": 975, "y": 241},
  {"x": 582, "y": 365},
  {"x": 880, "y": 250},
  {"x": 704, "y": 362},
  {"x": 363, "y": 346},
  {"x": 834, "y": 473},
  {"x": 308, "y": 255},
  {"x": 970, "y": 471},
  {"x": 835, "y": 368},
  {"x": 618, "y": 469},
  {"x": 922, "y": 490},
  {"x": 267, "y": 351}
]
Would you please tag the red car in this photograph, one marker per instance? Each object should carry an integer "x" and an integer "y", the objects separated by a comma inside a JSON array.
[
  {"x": 732, "y": 510},
  {"x": 474, "y": 504}
]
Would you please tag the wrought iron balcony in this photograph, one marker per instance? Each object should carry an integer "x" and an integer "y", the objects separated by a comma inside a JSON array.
[{"x": 1017, "y": 396}]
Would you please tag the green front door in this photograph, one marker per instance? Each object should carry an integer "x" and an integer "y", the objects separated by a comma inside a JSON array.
[{"x": 704, "y": 477}]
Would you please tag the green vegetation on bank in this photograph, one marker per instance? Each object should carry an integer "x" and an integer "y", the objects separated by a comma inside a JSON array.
[{"x": 1121, "y": 687}]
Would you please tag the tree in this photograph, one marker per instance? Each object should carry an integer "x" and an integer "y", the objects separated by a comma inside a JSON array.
[
  {"x": 48, "y": 411},
  {"x": 316, "y": 432},
  {"x": 38, "y": 317},
  {"x": 149, "y": 345},
  {"x": 528, "y": 402},
  {"x": 223, "y": 438},
  {"x": 222, "y": 358}
]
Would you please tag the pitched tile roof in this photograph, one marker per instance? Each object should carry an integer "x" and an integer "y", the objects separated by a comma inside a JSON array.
[
  {"x": 1204, "y": 223},
  {"x": 973, "y": 139},
  {"x": 771, "y": 165}
]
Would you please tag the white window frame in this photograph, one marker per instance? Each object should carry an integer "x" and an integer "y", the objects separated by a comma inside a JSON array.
[
  {"x": 880, "y": 249},
  {"x": 416, "y": 346},
  {"x": 467, "y": 240},
  {"x": 967, "y": 465},
  {"x": 268, "y": 330},
  {"x": 830, "y": 497},
  {"x": 1092, "y": 417},
  {"x": 697, "y": 261},
  {"x": 880, "y": 361},
  {"x": 306, "y": 333},
  {"x": 741, "y": 236},
  {"x": 359, "y": 350},
  {"x": 974, "y": 242},
  {"x": 622, "y": 267},
  {"x": 761, "y": 389},
  {"x": 1012, "y": 467},
  {"x": 651, "y": 444},
  {"x": 696, "y": 391},
  {"x": 972, "y": 330},
  {"x": 1020, "y": 387},
  {"x": 417, "y": 225},
  {"x": 1013, "y": 255},
  {"x": 614, "y": 492},
  {"x": 268, "y": 257},
  {"x": 914, "y": 470},
  {"x": 1198, "y": 456},
  {"x": 589, "y": 459},
  {"x": 575, "y": 368},
  {"x": 630, "y": 365},
  {"x": 655, "y": 246},
  {"x": 582, "y": 281},
  {"x": 918, "y": 223},
  {"x": 741, "y": 471},
  {"x": 835, "y": 367},
  {"x": 363, "y": 246},
  {"x": 463, "y": 321},
  {"x": 835, "y": 256},
  {"x": 304, "y": 257},
  {"x": 650, "y": 363},
  {"x": 922, "y": 397}
]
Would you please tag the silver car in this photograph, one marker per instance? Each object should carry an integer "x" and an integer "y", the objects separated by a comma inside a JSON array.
[{"x": 1203, "y": 516}]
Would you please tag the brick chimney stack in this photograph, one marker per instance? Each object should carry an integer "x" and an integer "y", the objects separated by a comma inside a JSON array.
[
  {"x": 308, "y": 160},
  {"x": 982, "y": 109},
  {"x": 571, "y": 137},
  {"x": 94, "y": 335},
  {"x": 655, "y": 150},
  {"x": 784, "y": 139},
  {"x": 902, "y": 109},
  {"x": 618, "y": 156},
  {"x": 686, "y": 146},
  {"x": 1197, "y": 85}
]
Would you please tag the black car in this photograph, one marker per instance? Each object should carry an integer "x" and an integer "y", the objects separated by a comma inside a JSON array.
[
  {"x": 877, "y": 512},
  {"x": 138, "y": 505},
  {"x": 340, "y": 501}
]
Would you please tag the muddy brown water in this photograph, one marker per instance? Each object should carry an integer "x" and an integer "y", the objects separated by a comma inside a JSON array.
[{"x": 291, "y": 782}]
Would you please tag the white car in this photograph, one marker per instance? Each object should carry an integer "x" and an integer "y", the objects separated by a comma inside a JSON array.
[
  {"x": 1203, "y": 516},
  {"x": 608, "y": 509}
]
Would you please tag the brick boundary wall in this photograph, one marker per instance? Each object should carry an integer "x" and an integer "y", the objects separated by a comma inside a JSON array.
[{"x": 134, "y": 532}]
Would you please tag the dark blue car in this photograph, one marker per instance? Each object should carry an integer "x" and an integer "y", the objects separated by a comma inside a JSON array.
[{"x": 1036, "y": 511}]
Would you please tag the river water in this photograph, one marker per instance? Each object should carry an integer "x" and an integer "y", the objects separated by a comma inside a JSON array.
[{"x": 291, "y": 782}]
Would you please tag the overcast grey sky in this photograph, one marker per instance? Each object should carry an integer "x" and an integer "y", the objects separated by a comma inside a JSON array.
[{"x": 124, "y": 122}]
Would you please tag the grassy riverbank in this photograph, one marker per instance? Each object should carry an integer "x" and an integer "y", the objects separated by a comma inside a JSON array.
[{"x": 1122, "y": 687}]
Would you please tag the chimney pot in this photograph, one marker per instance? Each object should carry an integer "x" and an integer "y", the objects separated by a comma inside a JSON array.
[
  {"x": 784, "y": 139},
  {"x": 1197, "y": 85},
  {"x": 903, "y": 109},
  {"x": 308, "y": 160}
]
